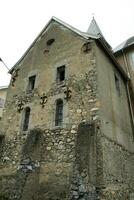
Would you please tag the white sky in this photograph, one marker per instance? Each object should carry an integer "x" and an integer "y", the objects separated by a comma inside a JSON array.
[{"x": 22, "y": 20}]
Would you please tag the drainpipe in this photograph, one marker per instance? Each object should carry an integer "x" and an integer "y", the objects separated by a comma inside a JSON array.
[{"x": 128, "y": 93}]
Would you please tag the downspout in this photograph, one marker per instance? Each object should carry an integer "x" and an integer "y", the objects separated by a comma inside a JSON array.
[{"x": 128, "y": 93}]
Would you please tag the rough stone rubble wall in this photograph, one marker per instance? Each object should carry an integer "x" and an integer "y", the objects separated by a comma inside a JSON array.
[
  {"x": 53, "y": 167},
  {"x": 119, "y": 182}
]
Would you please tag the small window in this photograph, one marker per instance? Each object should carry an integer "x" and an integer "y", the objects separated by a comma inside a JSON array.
[
  {"x": 59, "y": 112},
  {"x": 117, "y": 84},
  {"x": 26, "y": 119},
  {"x": 31, "y": 83},
  {"x": 50, "y": 42},
  {"x": 60, "y": 74}
]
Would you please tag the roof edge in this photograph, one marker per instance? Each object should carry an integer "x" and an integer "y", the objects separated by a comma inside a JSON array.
[
  {"x": 10, "y": 71},
  {"x": 3, "y": 87},
  {"x": 124, "y": 45},
  {"x": 110, "y": 53},
  {"x": 81, "y": 34},
  {"x": 124, "y": 48}
]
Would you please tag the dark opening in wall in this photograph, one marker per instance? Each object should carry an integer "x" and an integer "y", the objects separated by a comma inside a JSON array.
[
  {"x": 50, "y": 42},
  {"x": 26, "y": 118},
  {"x": 59, "y": 112},
  {"x": 86, "y": 47},
  {"x": 31, "y": 83},
  {"x": 60, "y": 74},
  {"x": 1, "y": 138}
]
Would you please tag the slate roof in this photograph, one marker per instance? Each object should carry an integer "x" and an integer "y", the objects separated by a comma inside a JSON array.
[
  {"x": 124, "y": 45},
  {"x": 3, "y": 87},
  {"x": 94, "y": 28},
  {"x": 83, "y": 34}
]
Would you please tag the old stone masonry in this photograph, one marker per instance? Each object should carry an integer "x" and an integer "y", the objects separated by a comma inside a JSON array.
[{"x": 67, "y": 127}]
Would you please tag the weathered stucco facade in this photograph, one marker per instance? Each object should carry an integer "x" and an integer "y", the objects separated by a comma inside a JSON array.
[{"x": 90, "y": 155}]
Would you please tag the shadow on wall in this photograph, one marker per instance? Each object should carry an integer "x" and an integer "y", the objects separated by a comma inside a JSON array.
[
  {"x": 82, "y": 184},
  {"x": 27, "y": 177},
  {"x": 24, "y": 185}
]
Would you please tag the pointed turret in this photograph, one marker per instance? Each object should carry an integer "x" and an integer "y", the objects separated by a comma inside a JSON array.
[{"x": 94, "y": 28}]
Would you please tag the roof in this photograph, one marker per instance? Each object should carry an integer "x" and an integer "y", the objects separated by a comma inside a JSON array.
[
  {"x": 124, "y": 45},
  {"x": 80, "y": 33},
  {"x": 94, "y": 28},
  {"x": 109, "y": 52},
  {"x": 87, "y": 36},
  {"x": 3, "y": 87}
]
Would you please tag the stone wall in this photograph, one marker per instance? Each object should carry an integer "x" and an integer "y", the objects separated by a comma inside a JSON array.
[
  {"x": 59, "y": 173},
  {"x": 66, "y": 50},
  {"x": 115, "y": 133},
  {"x": 43, "y": 162},
  {"x": 71, "y": 161},
  {"x": 50, "y": 164},
  {"x": 118, "y": 173}
]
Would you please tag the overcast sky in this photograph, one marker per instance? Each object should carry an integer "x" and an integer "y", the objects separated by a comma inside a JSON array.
[{"x": 22, "y": 20}]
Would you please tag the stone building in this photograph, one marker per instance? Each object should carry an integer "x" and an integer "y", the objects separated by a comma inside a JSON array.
[
  {"x": 3, "y": 93},
  {"x": 67, "y": 129},
  {"x": 124, "y": 54}
]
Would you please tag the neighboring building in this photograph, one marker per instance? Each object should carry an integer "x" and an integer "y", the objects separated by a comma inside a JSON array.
[
  {"x": 124, "y": 53},
  {"x": 67, "y": 120},
  {"x": 3, "y": 93}
]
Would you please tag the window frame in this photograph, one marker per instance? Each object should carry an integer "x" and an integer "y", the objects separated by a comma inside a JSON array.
[
  {"x": 60, "y": 70},
  {"x": 27, "y": 111},
  {"x": 59, "y": 113},
  {"x": 31, "y": 85}
]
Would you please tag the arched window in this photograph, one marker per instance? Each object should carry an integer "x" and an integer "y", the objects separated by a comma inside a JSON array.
[
  {"x": 26, "y": 118},
  {"x": 59, "y": 112}
]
